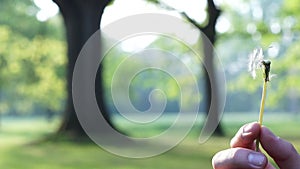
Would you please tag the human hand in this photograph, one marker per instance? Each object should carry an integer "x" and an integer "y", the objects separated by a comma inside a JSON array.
[{"x": 242, "y": 155}]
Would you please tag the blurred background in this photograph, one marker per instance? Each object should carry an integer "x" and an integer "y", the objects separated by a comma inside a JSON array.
[{"x": 40, "y": 41}]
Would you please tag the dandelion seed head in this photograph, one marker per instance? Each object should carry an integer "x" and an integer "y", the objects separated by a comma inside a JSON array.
[{"x": 255, "y": 61}]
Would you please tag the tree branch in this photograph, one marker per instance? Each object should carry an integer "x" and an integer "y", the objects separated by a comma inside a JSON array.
[
  {"x": 192, "y": 21},
  {"x": 212, "y": 10}
]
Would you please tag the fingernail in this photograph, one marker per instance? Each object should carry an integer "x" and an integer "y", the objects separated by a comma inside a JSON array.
[
  {"x": 256, "y": 160},
  {"x": 247, "y": 130}
]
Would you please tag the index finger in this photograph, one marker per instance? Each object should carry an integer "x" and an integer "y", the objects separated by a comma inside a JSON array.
[{"x": 246, "y": 135}]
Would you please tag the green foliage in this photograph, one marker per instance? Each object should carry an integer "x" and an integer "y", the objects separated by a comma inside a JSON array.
[
  {"x": 32, "y": 65},
  {"x": 291, "y": 8},
  {"x": 276, "y": 26},
  {"x": 287, "y": 75},
  {"x": 32, "y": 72},
  {"x": 20, "y": 17}
]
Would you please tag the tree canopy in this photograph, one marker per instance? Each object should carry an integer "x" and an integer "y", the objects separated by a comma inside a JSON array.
[{"x": 32, "y": 68}]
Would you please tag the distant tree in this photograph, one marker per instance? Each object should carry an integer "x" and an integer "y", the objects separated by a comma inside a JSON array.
[
  {"x": 82, "y": 18},
  {"x": 208, "y": 29}
]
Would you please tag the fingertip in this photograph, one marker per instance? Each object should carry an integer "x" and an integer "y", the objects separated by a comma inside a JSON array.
[
  {"x": 251, "y": 127},
  {"x": 246, "y": 135},
  {"x": 250, "y": 132},
  {"x": 257, "y": 160}
]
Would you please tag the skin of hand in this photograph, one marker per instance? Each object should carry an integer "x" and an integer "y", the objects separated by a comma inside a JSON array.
[{"x": 241, "y": 155}]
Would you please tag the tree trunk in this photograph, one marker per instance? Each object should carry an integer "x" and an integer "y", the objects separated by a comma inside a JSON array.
[
  {"x": 211, "y": 79},
  {"x": 82, "y": 18}
]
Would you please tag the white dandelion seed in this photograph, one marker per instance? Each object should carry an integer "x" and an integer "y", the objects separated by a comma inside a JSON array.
[{"x": 255, "y": 61}]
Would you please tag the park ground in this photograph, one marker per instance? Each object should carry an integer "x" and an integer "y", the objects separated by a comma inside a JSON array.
[{"x": 22, "y": 145}]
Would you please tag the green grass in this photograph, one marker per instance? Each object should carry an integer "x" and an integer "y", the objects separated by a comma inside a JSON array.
[{"x": 18, "y": 147}]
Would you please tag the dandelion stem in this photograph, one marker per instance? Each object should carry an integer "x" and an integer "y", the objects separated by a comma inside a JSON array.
[
  {"x": 255, "y": 62},
  {"x": 261, "y": 111}
]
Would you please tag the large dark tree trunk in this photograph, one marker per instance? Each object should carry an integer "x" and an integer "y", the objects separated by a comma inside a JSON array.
[{"x": 82, "y": 18}]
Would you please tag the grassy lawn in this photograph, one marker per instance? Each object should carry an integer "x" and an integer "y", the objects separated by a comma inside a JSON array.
[{"x": 18, "y": 150}]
